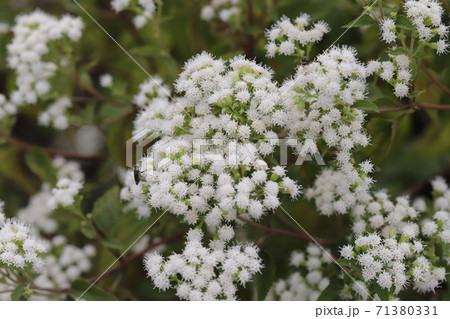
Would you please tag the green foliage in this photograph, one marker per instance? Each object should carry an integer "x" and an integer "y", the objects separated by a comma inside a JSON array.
[
  {"x": 40, "y": 164},
  {"x": 332, "y": 292},
  {"x": 407, "y": 147}
]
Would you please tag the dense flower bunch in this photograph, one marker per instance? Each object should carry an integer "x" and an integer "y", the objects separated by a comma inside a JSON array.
[
  {"x": 62, "y": 194},
  {"x": 320, "y": 99},
  {"x": 205, "y": 273},
  {"x": 143, "y": 8},
  {"x": 37, "y": 212},
  {"x": 225, "y": 10},
  {"x": 70, "y": 181},
  {"x": 220, "y": 142},
  {"x": 55, "y": 114},
  {"x": 18, "y": 249},
  {"x": 229, "y": 106},
  {"x": 64, "y": 263},
  {"x": 309, "y": 281},
  {"x": 396, "y": 72},
  {"x": 334, "y": 191},
  {"x": 424, "y": 17},
  {"x": 401, "y": 244},
  {"x": 287, "y": 38},
  {"x": 35, "y": 37}
]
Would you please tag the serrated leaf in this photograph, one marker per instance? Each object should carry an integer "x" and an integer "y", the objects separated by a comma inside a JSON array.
[
  {"x": 107, "y": 210},
  {"x": 403, "y": 22},
  {"x": 83, "y": 289},
  {"x": 41, "y": 165},
  {"x": 365, "y": 105},
  {"x": 361, "y": 21},
  {"x": 332, "y": 292},
  {"x": 264, "y": 280}
]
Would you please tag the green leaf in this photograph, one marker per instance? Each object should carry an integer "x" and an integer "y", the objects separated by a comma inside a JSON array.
[
  {"x": 18, "y": 293},
  {"x": 422, "y": 55},
  {"x": 382, "y": 293},
  {"x": 397, "y": 51},
  {"x": 41, "y": 165},
  {"x": 332, "y": 292},
  {"x": 403, "y": 22},
  {"x": 113, "y": 243},
  {"x": 416, "y": 93},
  {"x": 264, "y": 280},
  {"x": 349, "y": 264},
  {"x": 88, "y": 230},
  {"x": 82, "y": 289},
  {"x": 11, "y": 168},
  {"x": 107, "y": 210},
  {"x": 359, "y": 22},
  {"x": 365, "y": 105}
]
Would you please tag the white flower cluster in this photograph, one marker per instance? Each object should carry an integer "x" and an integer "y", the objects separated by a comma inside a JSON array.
[
  {"x": 19, "y": 250},
  {"x": 144, "y": 9},
  {"x": 287, "y": 38},
  {"x": 34, "y": 34},
  {"x": 336, "y": 191},
  {"x": 64, "y": 264},
  {"x": 70, "y": 181},
  {"x": 426, "y": 16},
  {"x": 395, "y": 264},
  {"x": 224, "y": 105},
  {"x": 38, "y": 211},
  {"x": 225, "y": 10},
  {"x": 391, "y": 240},
  {"x": 319, "y": 101},
  {"x": 156, "y": 109},
  {"x": 397, "y": 72},
  {"x": 212, "y": 191},
  {"x": 150, "y": 89},
  {"x": 388, "y": 30},
  {"x": 55, "y": 114},
  {"x": 236, "y": 99},
  {"x": 204, "y": 273},
  {"x": 304, "y": 287}
]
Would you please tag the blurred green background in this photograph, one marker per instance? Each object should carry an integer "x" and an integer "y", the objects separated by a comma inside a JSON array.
[{"x": 408, "y": 148}]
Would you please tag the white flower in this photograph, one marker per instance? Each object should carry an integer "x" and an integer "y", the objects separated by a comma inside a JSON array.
[
  {"x": 34, "y": 36},
  {"x": 204, "y": 273},
  {"x": 106, "y": 80},
  {"x": 145, "y": 8},
  {"x": 18, "y": 249},
  {"x": 284, "y": 36}
]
